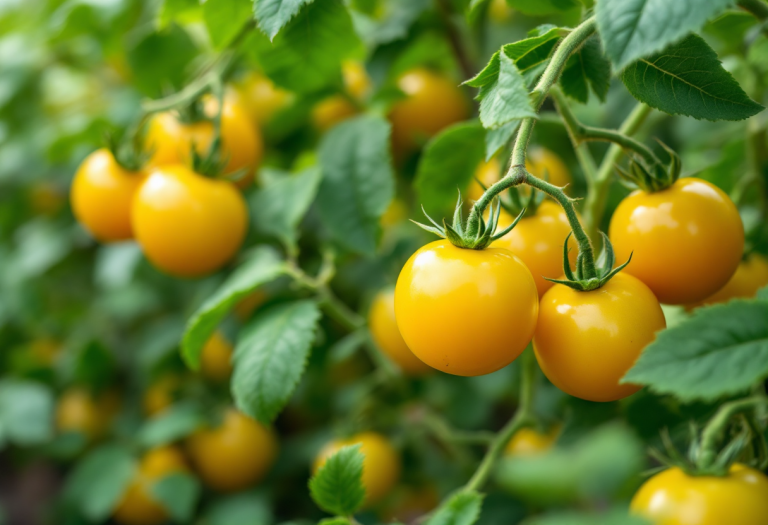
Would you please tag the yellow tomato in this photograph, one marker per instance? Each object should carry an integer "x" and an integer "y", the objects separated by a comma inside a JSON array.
[
  {"x": 262, "y": 98},
  {"x": 546, "y": 165},
  {"x": 101, "y": 196},
  {"x": 672, "y": 497},
  {"x": 538, "y": 242},
  {"x": 586, "y": 341},
  {"x": 332, "y": 110},
  {"x": 465, "y": 312},
  {"x": 381, "y": 466},
  {"x": 91, "y": 415},
  {"x": 216, "y": 358},
  {"x": 234, "y": 455},
  {"x": 750, "y": 276},
  {"x": 356, "y": 80},
  {"x": 432, "y": 102},
  {"x": 161, "y": 394},
  {"x": 383, "y": 325},
  {"x": 686, "y": 241},
  {"x": 530, "y": 442},
  {"x": 499, "y": 11},
  {"x": 138, "y": 506},
  {"x": 188, "y": 225},
  {"x": 488, "y": 173}
]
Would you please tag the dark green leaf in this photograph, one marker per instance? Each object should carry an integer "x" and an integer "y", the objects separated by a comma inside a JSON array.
[
  {"x": 542, "y": 7},
  {"x": 448, "y": 164},
  {"x": 225, "y": 19},
  {"x": 463, "y": 508},
  {"x": 172, "y": 424},
  {"x": 26, "y": 412},
  {"x": 632, "y": 29},
  {"x": 270, "y": 357},
  {"x": 239, "y": 509},
  {"x": 338, "y": 487},
  {"x": 587, "y": 68},
  {"x": 160, "y": 60},
  {"x": 178, "y": 494},
  {"x": 263, "y": 265},
  {"x": 358, "y": 181},
  {"x": 273, "y": 15},
  {"x": 721, "y": 350},
  {"x": 278, "y": 207},
  {"x": 93, "y": 365},
  {"x": 100, "y": 479}
]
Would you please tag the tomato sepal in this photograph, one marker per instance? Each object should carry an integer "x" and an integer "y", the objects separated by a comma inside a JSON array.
[
  {"x": 605, "y": 268},
  {"x": 651, "y": 178}
]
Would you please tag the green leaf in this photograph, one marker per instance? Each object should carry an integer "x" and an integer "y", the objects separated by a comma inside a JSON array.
[
  {"x": 278, "y": 207},
  {"x": 26, "y": 412},
  {"x": 182, "y": 11},
  {"x": 448, "y": 163},
  {"x": 273, "y": 15},
  {"x": 632, "y": 29},
  {"x": 161, "y": 60},
  {"x": 391, "y": 22},
  {"x": 263, "y": 265},
  {"x": 178, "y": 494},
  {"x": 100, "y": 479},
  {"x": 730, "y": 29},
  {"x": 495, "y": 139},
  {"x": 93, "y": 365},
  {"x": 721, "y": 350},
  {"x": 270, "y": 357},
  {"x": 688, "y": 79},
  {"x": 587, "y": 68},
  {"x": 358, "y": 181},
  {"x": 248, "y": 507},
  {"x": 225, "y": 19},
  {"x": 337, "y": 487},
  {"x": 616, "y": 517},
  {"x": 762, "y": 293},
  {"x": 172, "y": 424},
  {"x": 542, "y": 7},
  {"x": 463, "y": 508},
  {"x": 306, "y": 55}
]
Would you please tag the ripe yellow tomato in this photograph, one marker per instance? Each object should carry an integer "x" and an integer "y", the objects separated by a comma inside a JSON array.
[
  {"x": 161, "y": 394},
  {"x": 261, "y": 97},
  {"x": 332, "y": 110},
  {"x": 487, "y": 173},
  {"x": 687, "y": 240},
  {"x": 216, "y": 358},
  {"x": 499, "y": 11},
  {"x": 137, "y": 506},
  {"x": 81, "y": 411},
  {"x": 411, "y": 503},
  {"x": 432, "y": 102},
  {"x": 171, "y": 140},
  {"x": 672, "y": 497},
  {"x": 383, "y": 325},
  {"x": 546, "y": 165},
  {"x": 750, "y": 276},
  {"x": 188, "y": 225},
  {"x": 586, "y": 341},
  {"x": 538, "y": 242},
  {"x": 356, "y": 80},
  {"x": 381, "y": 466},
  {"x": 101, "y": 196},
  {"x": 234, "y": 455},
  {"x": 465, "y": 312},
  {"x": 531, "y": 442}
]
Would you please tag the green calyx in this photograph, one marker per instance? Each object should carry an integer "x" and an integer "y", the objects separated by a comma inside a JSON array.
[
  {"x": 128, "y": 151},
  {"x": 652, "y": 177},
  {"x": 605, "y": 270},
  {"x": 471, "y": 235}
]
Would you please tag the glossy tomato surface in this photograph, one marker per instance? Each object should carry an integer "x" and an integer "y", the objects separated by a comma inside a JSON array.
[
  {"x": 465, "y": 312},
  {"x": 586, "y": 341},
  {"x": 750, "y": 276},
  {"x": 188, "y": 225},
  {"x": 672, "y": 497},
  {"x": 686, "y": 241}
]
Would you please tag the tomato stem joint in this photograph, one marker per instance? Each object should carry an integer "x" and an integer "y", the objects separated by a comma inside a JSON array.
[{"x": 605, "y": 270}]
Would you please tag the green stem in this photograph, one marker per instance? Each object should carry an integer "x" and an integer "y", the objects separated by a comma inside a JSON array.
[
  {"x": 337, "y": 310},
  {"x": 523, "y": 418},
  {"x": 713, "y": 432}
]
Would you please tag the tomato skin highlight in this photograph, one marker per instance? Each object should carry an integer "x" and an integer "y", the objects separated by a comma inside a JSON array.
[
  {"x": 101, "y": 195},
  {"x": 686, "y": 241},
  {"x": 381, "y": 466},
  {"x": 235, "y": 455},
  {"x": 674, "y": 498},
  {"x": 750, "y": 276},
  {"x": 465, "y": 312},
  {"x": 386, "y": 334},
  {"x": 586, "y": 341},
  {"x": 188, "y": 225}
]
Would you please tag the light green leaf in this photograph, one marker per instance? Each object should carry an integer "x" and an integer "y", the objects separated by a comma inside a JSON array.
[
  {"x": 100, "y": 479},
  {"x": 270, "y": 357},
  {"x": 392, "y": 21},
  {"x": 238, "y": 509},
  {"x": 506, "y": 99},
  {"x": 181, "y": 11},
  {"x": 632, "y": 29},
  {"x": 587, "y": 68},
  {"x": 273, "y": 15},
  {"x": 172, "y": 424},
  {"x": 338, "y": 486},
  {"x": 719, "y": 351},
  {"x": 495, "y": 139},
  {"x": 26, "y": 412},
  {"x": 762, "y": 293},
  {"x": 263, "y": 265},
  {"x": 463, "y": 508},
  {"x": 225, "y": 19},
  {"x": 178, "y": 494},
  {"x": 278, "y": 207},
  {"x": 730, "y": 29},
  {"x": 542, "y": 7},
  {"x": 448, "y": 164},
  {"x": 358, "y": 181}
]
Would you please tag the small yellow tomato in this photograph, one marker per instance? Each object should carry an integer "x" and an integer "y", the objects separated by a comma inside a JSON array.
[
  {"x": 546, "y": 165},
  {"x": 101, "y": 195},
  {"x": 161, "y": 394},
  {"x": 531, "y": 442},
  {"x": 487, "y": 173},
  {"x": 137, "y": 505},
  {"x": 586, "y": 341},
  {"x": 262, "y": 98},
  {"x": 686, "y": 240},
  {"x": 381, "y": 466},
  {"x": 332, "y": 110},
  {"x": 499, "y": 11},
  {"x": 750, "y": 276},
  {"x": 234, "y": 455},
  {"x": 672, "y": 497},
  {"x": 465, "y": 312},
  {"x": 81, "y": 411},
  {"x": 356, "y": 80},
  {"x": 216, "y": 358},
  {"x": 188, "y": 225},
  {"x": 383, "y": 325}
]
